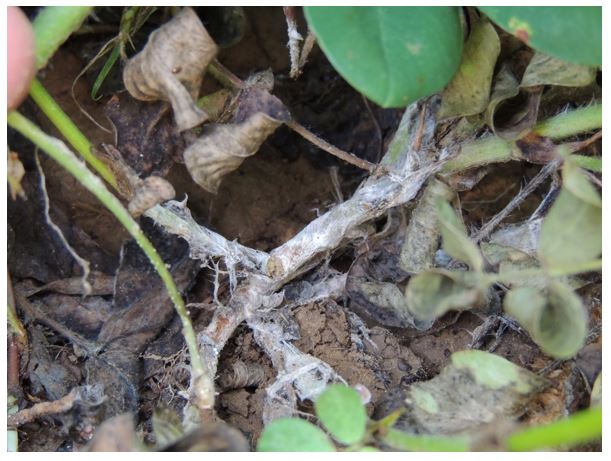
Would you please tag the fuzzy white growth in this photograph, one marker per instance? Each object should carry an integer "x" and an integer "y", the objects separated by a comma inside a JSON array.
[{"x": 262, "y": 276}]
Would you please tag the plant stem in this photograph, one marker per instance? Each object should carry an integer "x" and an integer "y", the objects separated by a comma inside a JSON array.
[
  {"x": 571, "y": 123},
  {"x": 69, "y": 130},
  {"x": 62, "y": 155},
  {"x": 492, "y": 149},
  {"x": 331, "y": 149},
  {"x": 578, "y": 428},
  {"x": 53, "y": 26},
  {"x": 480, "y": 152},
  {"x": 525, "y": 274}
]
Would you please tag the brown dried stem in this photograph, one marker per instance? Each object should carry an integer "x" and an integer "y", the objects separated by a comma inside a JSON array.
[
  {"x": 43, "y": 409},
  {"x": 519, "y": 198}
]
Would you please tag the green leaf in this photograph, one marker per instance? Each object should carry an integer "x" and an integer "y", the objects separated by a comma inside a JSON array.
[
  {"x": 557, "y": 322},
  {"x": 576, "y": 182},
  {"x": 573, "y": 34},
  {"x": 469, "y": 90},
  {"x": 393, "y": 55},
  {"x": 589, "y": 163},
  {"x": 547, "y": 70},
  {"x": 495, "y": 372},
  {"x": 455, "y": 238},
  {"x": 431, "y": 294},
  {"x": 596, "y": 396},
  {"x": 571, "y": 233},
  {"x": 578, "y": 428},
  {"x": 412, "y": 442},
  {"x": 292, "y": 434},
  {"x": 340, "y": 410}
]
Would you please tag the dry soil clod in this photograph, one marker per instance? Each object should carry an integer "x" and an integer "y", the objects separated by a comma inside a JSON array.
[{"x": 171, "y": 67}]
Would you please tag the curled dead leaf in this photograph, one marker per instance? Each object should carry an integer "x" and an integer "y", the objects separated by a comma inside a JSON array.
[
  {"x": 142, "y": 194},
  {"x": 171, "y": 67},
  {"x": 150, "y": 192},
  {"x": 222, "y": 148}
]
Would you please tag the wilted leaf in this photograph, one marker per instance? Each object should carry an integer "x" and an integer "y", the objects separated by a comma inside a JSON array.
[
  {"x": 384, "y": 303},
  {"x": 557, "y": 321},
  {"x": 341, "y": 412},
  {"x": 293, "y": 435},
  {"x": 546, "y": 70},
  {"x": 571, "y": 232},
  {"x": 469, "y": 90},
  {"x": 431, "y": 294},
  {"x": 565, "y": 32},
  {"x": 394, "y": 55},
  {"x": 455, "y": 238},
  {"x": 475, "y": 388},
  {"x": 423, "y": 231},
  {"x": 171, "y": 67}
]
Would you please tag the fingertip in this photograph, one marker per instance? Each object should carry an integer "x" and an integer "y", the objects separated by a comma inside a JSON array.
[{"x": 20, "y": 56}]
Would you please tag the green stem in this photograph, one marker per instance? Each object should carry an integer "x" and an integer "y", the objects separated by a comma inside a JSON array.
[
  {"x": 62, "y": 155},
  {"x": 571, "y": 123},
  {"x": 69, "y": 130},
  {"x": 53, "y": 26},
  {"x": 480, "y": 152},
  {"x": 576, "y": 429},
  {"x": 492, "y": 149},
  {"x": 526, "y": 274}
]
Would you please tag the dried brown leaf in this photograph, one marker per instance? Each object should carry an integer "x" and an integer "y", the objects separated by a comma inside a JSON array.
[
  {"x": 171, "y": 67},
  {"x": 150, "y": 192},
  {"x": 221, "y": 149}
]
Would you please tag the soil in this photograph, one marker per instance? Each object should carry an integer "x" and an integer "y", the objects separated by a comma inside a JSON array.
[{"x": 263, "y": 204}]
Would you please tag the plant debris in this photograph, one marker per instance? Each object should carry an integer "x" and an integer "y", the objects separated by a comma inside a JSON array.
[{"x": 171, "y": 67}]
